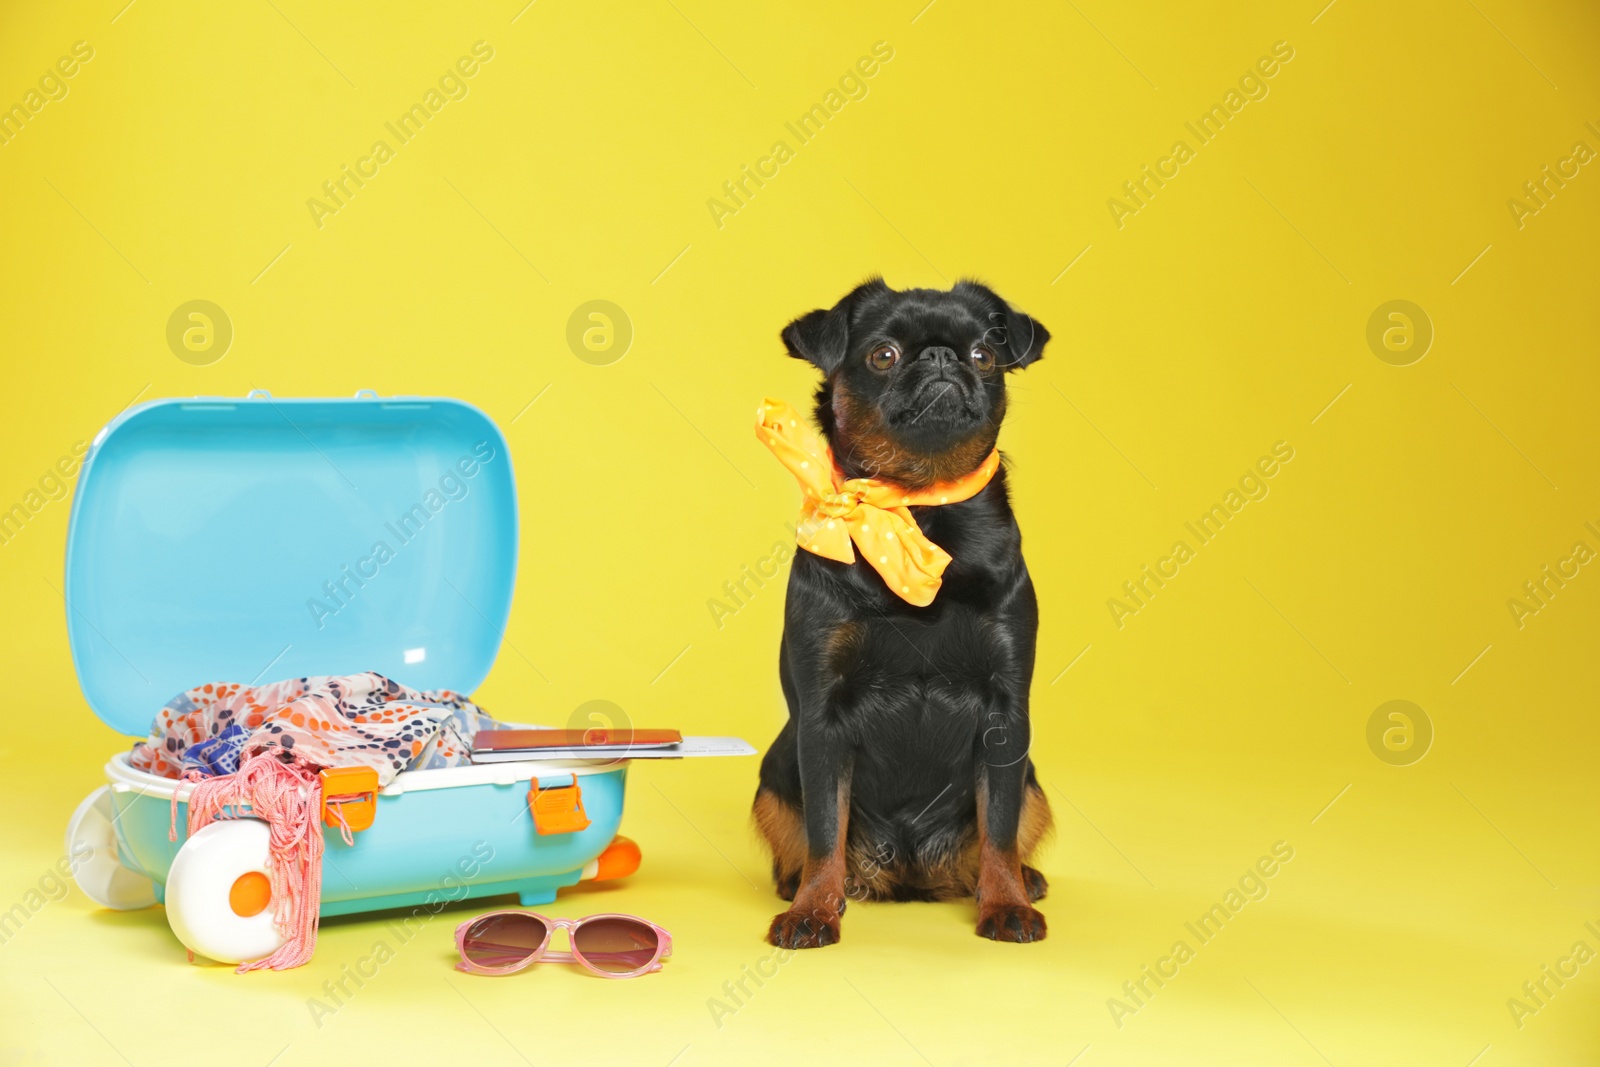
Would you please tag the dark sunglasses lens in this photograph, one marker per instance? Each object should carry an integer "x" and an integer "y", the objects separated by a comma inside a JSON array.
[
  {"x": 616, "y": 945},
  {"x": 503, "y": 940}
]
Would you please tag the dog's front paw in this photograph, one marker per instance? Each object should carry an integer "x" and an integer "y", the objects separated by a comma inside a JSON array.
[
  {"x": 1034, "y": 883},
  {"x": 1011, "y": 922},
  {"x": 804, "y": 929}
]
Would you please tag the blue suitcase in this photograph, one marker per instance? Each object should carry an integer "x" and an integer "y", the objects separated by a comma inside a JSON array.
[{"x": 253, "y": 540}]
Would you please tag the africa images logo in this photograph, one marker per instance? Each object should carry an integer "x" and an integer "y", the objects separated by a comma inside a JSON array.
[
  {"x": 453, "y": 486},
  {"x": 337, "y": 192},
  {"x": 1253, "y": 485},
  {"x": 852, "y": 85},
  {"x": 1205, "y": 129}
]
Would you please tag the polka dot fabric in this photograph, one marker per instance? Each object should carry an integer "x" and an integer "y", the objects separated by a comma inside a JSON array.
[
  {"x": 874, "y": 515},
  {"x": 335, "y": 721}
]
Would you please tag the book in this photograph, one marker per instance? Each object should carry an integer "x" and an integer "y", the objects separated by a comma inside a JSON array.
[
  {"x": 531, "y": 743},
  {"x": 688, "y": 747}
]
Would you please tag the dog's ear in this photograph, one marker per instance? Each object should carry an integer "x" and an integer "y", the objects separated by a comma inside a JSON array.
[
  {"x": 1022, "y": 337},
  {"x": 1025, "y": 338},
  {"x": 822, "y": 337}
]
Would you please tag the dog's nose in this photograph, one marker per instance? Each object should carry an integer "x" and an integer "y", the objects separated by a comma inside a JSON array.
[{"x": 939, "y": 354}]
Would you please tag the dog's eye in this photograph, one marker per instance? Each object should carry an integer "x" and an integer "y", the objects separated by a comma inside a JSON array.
[
  {"x": 983, "y": 357},
  {"x": 883, "y": 357}
]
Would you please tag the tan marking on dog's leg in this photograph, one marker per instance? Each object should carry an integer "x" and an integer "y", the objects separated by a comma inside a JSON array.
[
  {"x": 1004, "y": 913},
  {"x": 1036, "y": 822},
  {"x": 785, "y": 834},
  {"x": 812, "y": 921}
]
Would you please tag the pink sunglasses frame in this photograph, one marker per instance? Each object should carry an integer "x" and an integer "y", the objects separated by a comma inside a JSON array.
[{"x": 542, "y": 953}]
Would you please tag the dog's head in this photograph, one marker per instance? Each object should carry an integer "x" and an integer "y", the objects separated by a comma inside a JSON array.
[{"x": 914, "y": 382}]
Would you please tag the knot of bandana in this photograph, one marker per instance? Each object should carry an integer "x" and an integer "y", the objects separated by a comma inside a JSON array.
[
  {"x": 838, "y": 515},
  {"x": 838, "y": 505}
]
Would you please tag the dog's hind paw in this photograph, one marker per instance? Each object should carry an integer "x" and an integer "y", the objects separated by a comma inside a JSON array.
[
  {"x": 1034, "y": 883},
  {"x": 798, "y": 929},
  {"x": 1011, "y": 922}
]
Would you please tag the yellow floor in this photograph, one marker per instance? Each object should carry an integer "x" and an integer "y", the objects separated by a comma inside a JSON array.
[{"x": 1425, "y": 898}]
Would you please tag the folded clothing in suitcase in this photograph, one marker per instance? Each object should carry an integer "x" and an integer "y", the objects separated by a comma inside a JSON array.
[{"x": 339, "y": 721}]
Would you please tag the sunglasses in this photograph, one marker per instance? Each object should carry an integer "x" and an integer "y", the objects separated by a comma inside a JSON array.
[{"x": 610, "y": 945}]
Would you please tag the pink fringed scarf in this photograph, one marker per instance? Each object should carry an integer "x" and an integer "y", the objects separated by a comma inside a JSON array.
[{"x": 288, "y": 798}]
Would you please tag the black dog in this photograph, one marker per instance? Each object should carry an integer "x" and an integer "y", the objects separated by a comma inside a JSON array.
[{"x": 903, "y": 771}]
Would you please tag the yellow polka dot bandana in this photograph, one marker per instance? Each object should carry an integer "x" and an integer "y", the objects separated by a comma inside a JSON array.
[{"x": 872, "y": 513}]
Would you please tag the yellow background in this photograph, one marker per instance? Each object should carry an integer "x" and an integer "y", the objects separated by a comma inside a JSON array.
[{"x": 1223, "y": 317}]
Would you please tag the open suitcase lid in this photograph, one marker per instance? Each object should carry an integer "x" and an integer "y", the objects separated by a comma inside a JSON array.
[{"x": 253, "y": 540}]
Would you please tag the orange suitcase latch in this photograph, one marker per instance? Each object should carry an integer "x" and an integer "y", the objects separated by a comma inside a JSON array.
[
  {"x": 349, "y": 797},
  {"x": 558, "y": 809}
]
